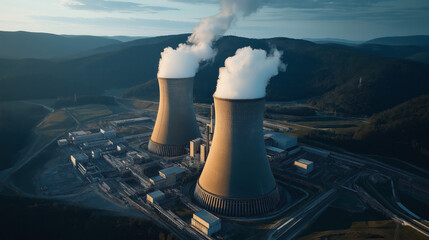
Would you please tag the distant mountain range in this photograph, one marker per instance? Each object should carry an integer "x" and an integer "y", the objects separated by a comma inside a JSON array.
[
  {"x": 416, "y": 40},
  {"x": 19, "y": 45},
  {"x": 334, "y": 40},
  {"x": 357, "y": 80}
]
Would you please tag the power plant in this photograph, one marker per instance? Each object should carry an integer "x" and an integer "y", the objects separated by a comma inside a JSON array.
[
  {"x": 175, "y": 123},
  {"x": 237, "y": 180}
]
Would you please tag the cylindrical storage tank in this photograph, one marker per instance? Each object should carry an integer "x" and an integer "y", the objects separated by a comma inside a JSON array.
[
  {"x": 175, "y": 124},
  {"x": 237, "y": 171}
]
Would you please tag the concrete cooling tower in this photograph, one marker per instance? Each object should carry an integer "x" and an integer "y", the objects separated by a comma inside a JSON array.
[
  {"x": 237, "y": 180},
  {"x": 175, "y": 124}
]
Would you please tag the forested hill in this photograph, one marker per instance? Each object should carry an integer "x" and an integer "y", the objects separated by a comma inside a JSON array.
[
  {"x": 18, "y": 45},
  {"x": 400, "y": 131},
  {"x": 328, "y": 75}
]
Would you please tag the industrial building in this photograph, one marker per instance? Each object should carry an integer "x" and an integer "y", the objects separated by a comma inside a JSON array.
[
  {"x": 78, "y": 133},
  {"x": 176, "y": 123},
  {"x": 304, "y": 166},
  {"x": 167, "y": 177},
  {"x": 203, "y": 152},
  {"x": 206, "y": 222},
  {"x": 158, "y": 182},
  {"x": 62, "y": 142},
  {"x": 194, "y": 146},
  {"x": 108, "y": 132},
  {"x": 171, "y": 175},
  {"x": 120, "y": 123},
  {"x": 279, "y": 140},
  {"x": 237, "y": 179},
  {"x": 120, "y": 148},
  {"x": 78, "y": 157},
  {"x": 96, "y": 153},
  {"x": 155, "y": 197}
]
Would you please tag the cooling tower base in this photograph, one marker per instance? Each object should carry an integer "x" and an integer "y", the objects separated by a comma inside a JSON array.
[
  {"x": 166, "y": 150},
  {"x": 237, "y": 207}
]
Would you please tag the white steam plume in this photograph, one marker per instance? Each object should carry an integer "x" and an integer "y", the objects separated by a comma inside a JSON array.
[
  {"x": 185, "y": 59},
  {"x": 247, "y": 73}
]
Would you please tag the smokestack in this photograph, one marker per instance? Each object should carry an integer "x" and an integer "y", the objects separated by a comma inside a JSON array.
[
  {"x": 175, "y": 124},
  {"x": 237, "y": 179}
]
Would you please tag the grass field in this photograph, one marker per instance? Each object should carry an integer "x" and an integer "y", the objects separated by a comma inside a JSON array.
[
  {"x": 54, "y": 124},
  {"x": 338, "y": 224},
  {"x": 88, "y": 112}
]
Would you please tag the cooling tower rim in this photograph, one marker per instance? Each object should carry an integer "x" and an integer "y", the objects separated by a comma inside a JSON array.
[
  {"x": 239, "y": 100},
  {"x": 265, "y": 195},
  {"x": 173, "y": 78}
]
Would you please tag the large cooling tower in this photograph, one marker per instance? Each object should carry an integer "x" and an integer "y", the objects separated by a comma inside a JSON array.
[
  {"x": 175, "y": 123},
  {"x": 237, "y": 179}
]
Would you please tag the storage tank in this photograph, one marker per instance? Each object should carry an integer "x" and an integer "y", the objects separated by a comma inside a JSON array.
[
  {"x": 175, "y": 124},
  {"x": 237, "y": 179}
]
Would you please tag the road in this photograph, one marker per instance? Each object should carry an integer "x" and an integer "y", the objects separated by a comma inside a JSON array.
[{"x": 290, "y": 226}]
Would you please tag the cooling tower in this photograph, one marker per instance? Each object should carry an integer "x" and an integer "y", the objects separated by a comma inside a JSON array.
[
  {"x": 237, "y": 180},
  {"x": 175, "y": 123}
]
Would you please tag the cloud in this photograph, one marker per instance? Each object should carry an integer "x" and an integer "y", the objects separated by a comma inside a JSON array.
[
  {"x": 331, "y": 4},
  {"x": 110, "y": 6},
  {"x": 110, "y": 21}
]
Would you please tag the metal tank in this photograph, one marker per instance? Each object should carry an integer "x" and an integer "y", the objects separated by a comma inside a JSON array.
[
  {"x": 175, "y": 124},
  {"x": 237, "y": 179}
]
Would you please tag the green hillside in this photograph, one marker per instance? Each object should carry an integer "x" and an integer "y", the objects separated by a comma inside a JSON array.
[
  {"x": 401, "y": 131},
  {"x": 328, "y": 75}
]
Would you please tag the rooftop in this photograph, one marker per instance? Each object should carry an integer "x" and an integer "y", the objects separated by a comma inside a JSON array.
[
  {"x": 305, "y": 161},
  {"x": 274, "y": 149},
  {"x": 79, "y": 133},
  {"x": 207, "y": 217},
  {"x": 157, "y": 178},
  {"x": 156, "y": 194},
  {"x": 171, "y": 170},
  {"x": 80, "y": 156}
]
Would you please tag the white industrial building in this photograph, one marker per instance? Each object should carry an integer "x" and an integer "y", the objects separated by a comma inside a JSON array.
[
  {"x": 78, "y": 157},
  {"x": 206, "y": 222},
  {"x": 304, "y": 166},
  {"x": 155, "y": 197},
  {"x": 62, "y": 142}
]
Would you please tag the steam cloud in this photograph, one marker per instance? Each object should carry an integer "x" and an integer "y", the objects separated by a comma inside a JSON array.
[
  {"x": 247, "y": 73},
  {"x": 184, "y": 61}
]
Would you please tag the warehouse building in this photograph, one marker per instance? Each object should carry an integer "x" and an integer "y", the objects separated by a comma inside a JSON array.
[
  {"x": 304, "y": 166},
  {"x": 78, "y": 157},
  {"x": 171, "y": 175},
  {"x": 206, "y": 222},
  {"x": 158, "y": 182},
  {"x": 155, "y": 197}
]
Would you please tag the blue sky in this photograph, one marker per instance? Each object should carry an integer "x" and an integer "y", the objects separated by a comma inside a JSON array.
[{"x": 347, "y": 19}]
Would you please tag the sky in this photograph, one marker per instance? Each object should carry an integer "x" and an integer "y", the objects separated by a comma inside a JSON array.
[{"x": 357, "y": 20}]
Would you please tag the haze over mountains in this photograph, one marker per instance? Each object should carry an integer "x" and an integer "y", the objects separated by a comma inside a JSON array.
[{"x": 358, "y": 80}]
